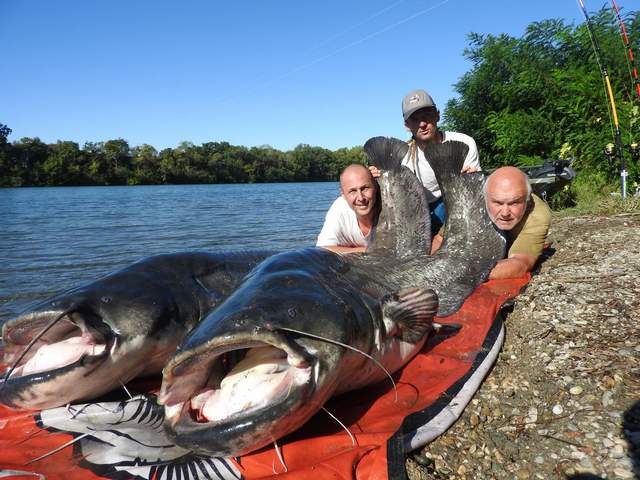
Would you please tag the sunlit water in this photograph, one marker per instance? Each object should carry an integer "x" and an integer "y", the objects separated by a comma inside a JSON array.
[{"x": 52, "y": 239}]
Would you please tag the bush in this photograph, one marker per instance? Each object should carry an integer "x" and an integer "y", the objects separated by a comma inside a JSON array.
[{"x": 593, "y": 193}]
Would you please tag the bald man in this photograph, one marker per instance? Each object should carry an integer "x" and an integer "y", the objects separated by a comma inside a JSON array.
[
  {"x": 521, "y": 215},
  {"x": 350, "y": 222}
]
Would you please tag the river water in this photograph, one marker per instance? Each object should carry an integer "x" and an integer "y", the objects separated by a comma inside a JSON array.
[{"x": 53, "y": 239}]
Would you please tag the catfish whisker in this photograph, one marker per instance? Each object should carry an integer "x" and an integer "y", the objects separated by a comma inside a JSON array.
[
  {"x": 336, "y": 342},
  {"x": 126, "y": 391},
  {"x": 56, "y": 450},
  {"x": 32, "y": 343},
  {"x": 353, "y": 439},
  {"x": 30, "y": 436},
  {"x": 280, "y": 457}
]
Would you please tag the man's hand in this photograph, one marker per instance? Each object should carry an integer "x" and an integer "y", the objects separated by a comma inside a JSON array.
[
  {"x": 341, "y": 250},
  {"x": 375, "y": 171},
  {"x": 467, "y": 169},
  {"x": 513, "y": 267}
]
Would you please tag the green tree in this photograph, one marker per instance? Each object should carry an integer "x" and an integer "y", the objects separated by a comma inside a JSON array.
[
  {"x": 9, "y": 171},
  {"x": 541, "y": 96},
  {"x": 29, "y": 156},
  {"x": 145, "y": 165},
  {"x": 65, "y": 165}
]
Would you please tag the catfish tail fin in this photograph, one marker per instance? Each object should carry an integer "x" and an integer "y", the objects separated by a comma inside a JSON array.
[{"x": 386, "y": 153}]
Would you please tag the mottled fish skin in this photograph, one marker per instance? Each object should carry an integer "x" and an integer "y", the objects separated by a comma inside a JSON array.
[
  {"x": 380, "y": 303},
  {"x": 472, "y": 243},
  {"x": 403, "y": 228},
  {"x": 139, "y": 314}
]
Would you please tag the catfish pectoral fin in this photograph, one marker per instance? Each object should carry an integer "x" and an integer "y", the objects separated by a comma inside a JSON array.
[{"x": 411, "y": 311}]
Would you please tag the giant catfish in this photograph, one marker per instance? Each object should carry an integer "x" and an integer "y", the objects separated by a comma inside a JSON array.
[
  {"x": 92, "y": 339},
  {"x": 309, "y": 324}
]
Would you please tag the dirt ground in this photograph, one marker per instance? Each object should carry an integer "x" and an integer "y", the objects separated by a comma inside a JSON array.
[{"x": 563, "y": 400}]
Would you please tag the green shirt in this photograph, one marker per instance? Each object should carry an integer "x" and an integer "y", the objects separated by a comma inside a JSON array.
[{"x": 529, "y": 235}]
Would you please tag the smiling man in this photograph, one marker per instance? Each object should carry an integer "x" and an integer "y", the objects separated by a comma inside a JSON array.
[
  {"x": 350, "y": 222},
  {"x": 523, "y": 216}
]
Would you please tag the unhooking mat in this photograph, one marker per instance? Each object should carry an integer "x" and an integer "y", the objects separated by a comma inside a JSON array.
[{"x": 124, "y": 439}]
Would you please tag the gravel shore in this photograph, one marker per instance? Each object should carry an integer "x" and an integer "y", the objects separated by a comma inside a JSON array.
[{"x": 563, "y": 400}]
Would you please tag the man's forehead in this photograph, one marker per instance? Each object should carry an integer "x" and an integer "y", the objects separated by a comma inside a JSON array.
[
  {"x": 510, "y": 194},
  {"x": 423, "y": 111},
  {"x": 355, "y": 175}
]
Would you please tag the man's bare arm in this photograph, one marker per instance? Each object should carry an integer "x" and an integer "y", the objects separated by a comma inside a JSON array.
[
  {"x": 436, "y": 243},
  {"x": 513, "y": 267},
  {"x": 339, "y": 249}
]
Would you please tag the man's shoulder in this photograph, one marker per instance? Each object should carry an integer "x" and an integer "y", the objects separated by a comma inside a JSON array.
[
  {"x": 460, "y": 137},
  {"x": 540, "y": 211},
  {"x": 536, "y": 218},
  {"x": 340, "y": 208},
  {"x": 529, "y": 235},
  {"x": 339, "y": 204}
]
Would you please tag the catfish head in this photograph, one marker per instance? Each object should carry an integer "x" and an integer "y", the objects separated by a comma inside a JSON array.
[
  {"x": 255, "y": 369},
  {"x": 88, "y": 341}
]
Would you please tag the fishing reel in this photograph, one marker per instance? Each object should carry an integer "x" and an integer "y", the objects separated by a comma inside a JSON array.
[
  {"x": 609, "y": 151},
  {"x": 634, "y": 148}
]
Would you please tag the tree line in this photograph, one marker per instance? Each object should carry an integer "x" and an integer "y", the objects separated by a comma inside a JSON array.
[
  {"x": 524, "y": 100},
  {"x": 30, "y": 162}
]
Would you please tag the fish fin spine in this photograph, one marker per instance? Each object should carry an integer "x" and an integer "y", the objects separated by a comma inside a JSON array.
[{"x": 409, "y": 313}]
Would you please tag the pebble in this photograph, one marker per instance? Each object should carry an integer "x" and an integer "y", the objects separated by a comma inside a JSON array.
[
  {"x": 474, "y": 420},
  {"x": 532, "y": 416},
  {"x": 557, "y": 409},
  {"x": 617, "y": 451},
  {"x": 441, "y": 465},
  {"x": 577, "y": 390},
  {"x": 623, "y": 473},
  {"x": 577, "y": 454}
]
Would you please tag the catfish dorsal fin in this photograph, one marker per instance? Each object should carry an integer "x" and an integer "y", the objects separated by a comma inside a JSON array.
[
  {"x": 411, "y": 312},
  {"x": 386, "y": 153}
]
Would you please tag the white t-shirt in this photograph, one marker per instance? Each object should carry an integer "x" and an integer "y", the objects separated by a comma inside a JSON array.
[
  {"x": 341, "y": 227},
  {"x": 424, "y": 172}
]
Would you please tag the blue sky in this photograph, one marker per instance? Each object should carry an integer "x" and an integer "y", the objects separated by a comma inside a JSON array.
[{"x": 330, "y": 73}]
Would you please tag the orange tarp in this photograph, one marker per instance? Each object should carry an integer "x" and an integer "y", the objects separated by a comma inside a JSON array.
[{"x": 379, "y": 422}]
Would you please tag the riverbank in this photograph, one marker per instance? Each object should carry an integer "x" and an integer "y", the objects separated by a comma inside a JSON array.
[{"x": 563, "y": 400}]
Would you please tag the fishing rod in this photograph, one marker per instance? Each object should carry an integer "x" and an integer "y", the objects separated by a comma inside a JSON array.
[
  {"x": 633, "y": 71},
  {"x": 612, "y": 102}
]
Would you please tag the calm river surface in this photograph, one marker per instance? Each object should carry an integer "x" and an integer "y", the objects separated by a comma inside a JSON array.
[{"x": 52, "y": 239}]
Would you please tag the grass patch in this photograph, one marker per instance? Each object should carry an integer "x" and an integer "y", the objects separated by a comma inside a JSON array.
[{"x": 594, "y": 194}]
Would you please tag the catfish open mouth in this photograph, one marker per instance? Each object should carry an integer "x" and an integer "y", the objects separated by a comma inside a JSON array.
[
  {"x": 69, "y": 340},
  {"x": 234, "y": 381}
]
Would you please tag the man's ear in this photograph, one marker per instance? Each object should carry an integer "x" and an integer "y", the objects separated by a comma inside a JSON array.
[{"x": 406, "y": 127}]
